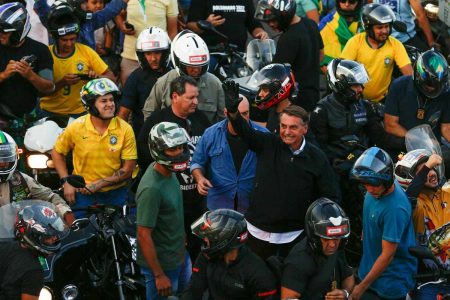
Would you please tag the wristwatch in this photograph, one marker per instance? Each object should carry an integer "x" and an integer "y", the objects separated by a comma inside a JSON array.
[
  {"x": 63, "y": 180},
  {"x": 347, "y": 294}
]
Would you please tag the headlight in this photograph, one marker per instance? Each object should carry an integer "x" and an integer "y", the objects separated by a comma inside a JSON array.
[
  {"x": 37, "y": 161},
  {"x": 46, "y": 294},
  {"x": 243, "y": 72},
  {"x": 70, "y": 292}
]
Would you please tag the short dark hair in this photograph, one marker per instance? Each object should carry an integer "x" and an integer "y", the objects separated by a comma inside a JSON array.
[
  {"x": 178, "y": 85},
  {"x": 296, "y": 111}
]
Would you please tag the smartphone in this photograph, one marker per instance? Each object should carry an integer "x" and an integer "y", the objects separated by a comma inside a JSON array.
[
  {"x": 84, "y": 76},
  {"x": 129, "y": 26},
  {"x": 29, "y": 59}
]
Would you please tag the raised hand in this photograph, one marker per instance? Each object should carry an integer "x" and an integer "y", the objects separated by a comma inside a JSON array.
[{"x": 232, "y": 100}]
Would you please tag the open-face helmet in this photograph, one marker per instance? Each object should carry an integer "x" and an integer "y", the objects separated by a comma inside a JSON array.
[
  {"x": 188, "y": 49},
  {"x": 153, "y": 39},
  {"x": 62, "y": 20},
  {"x": 374, "y": 167},
  {"x": 96, "y": 88},
  {"x": 376, "y": 14},
  {"x": 14, "y": 18},
  {"x": 406, "y": 168},
  {"x": 342, "y": 74},
  {"x": 325, "y": 219}
]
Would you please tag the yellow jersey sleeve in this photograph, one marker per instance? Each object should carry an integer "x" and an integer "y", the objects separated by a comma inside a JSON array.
[
  {"x": 97, "y": 64},
  {"x": 401, "y": 56},
  {"x": 129, "y": 150},
  {"x": 64, "y": 144}
]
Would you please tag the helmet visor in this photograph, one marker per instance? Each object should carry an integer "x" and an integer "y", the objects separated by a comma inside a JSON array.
[
  {"x": 199, "y": 226},
  {"x": 355, "y": 75},
  {"x": 8, "y": 153},
  {"x": 334, "y": 228}
]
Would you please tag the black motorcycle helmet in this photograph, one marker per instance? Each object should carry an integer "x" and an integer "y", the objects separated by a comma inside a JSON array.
[
  {"x": 14, "y": 18},
  {"x": 279, "y": 79},
  {"x": 342, "y": 75},
  {"x": 62, "y": 20},
  {"x": 376, "y": 14},
  {"x": 38, "y": 222},
  {"x": 374, "y": 167},
  {"x": 350, "y": 13},
  {"x": 326, "y": 219},
  {"x": 221, "y": 230},
  {"x": 281, "y": 11},
  {"x": 431, "y": 74}
]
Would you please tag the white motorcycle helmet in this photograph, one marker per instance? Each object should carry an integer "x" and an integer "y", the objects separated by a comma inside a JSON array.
[
  {"x": 189, "y": 49},
  {"x": 9, "y": 155},
  {"x": 153, "y": 39},
  {"x": 406, "y": 168}
]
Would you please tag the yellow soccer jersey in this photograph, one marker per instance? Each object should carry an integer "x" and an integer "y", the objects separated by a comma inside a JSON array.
[
  {"x": 379, "y": 63},
  {"x": 97, "y": 156},
  {"x": 67, "y": 101}
]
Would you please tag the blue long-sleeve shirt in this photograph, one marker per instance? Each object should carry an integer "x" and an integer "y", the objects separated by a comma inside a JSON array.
[
  {"x": 87, "y": 28},
  {"x": 213, "y": 156}
]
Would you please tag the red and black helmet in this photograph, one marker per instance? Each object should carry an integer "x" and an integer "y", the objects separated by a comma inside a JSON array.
[{"x": 278, "y": 79}]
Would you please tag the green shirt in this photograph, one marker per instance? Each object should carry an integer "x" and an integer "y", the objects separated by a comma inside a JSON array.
[{"x": 160, "y": 207}]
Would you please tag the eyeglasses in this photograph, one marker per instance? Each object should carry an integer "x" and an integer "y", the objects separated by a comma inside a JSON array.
[{"x": 349, "y": 1}]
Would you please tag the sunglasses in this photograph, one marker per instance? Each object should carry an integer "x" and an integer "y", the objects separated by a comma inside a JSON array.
[{"x": 349, "y": 1}]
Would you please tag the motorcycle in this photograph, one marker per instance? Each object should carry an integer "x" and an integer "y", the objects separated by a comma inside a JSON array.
[
  {"x": 231, "y": 63},
  {"x": 438, "y": 276},
  {"x": 98, "y": 258},
  {"x": 39, "y": 141}
]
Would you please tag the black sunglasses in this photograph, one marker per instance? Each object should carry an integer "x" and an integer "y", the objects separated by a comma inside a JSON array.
[{"x": 349, "y": 1}]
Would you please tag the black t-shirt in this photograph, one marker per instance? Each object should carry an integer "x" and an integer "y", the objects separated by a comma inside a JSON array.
[
  {"x": 238, "y": 15},
  {"x": 17, "y": 93},
  {"x": 312, "y": 274},
  {"x": 246, "y": 278},
  {"x": 136, "y": 90},
  {"x": 195, "y": 125},
  {"x": 238, "y": 149},
  {"x": 300, "y": 46},
  {"x": 20, "y": 272}
]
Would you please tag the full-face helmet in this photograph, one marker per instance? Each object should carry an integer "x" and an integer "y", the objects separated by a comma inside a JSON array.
[
  {"x": 431, "y": 74},
  {"x": 278, "y": 79},
  {"x": 221, "y": 230},
  {"x": 40, "y": 228},
  {"x": 167, "y": 135},
  {"x": 9, "y": 155},
  {"x": 282, "y": 11}
]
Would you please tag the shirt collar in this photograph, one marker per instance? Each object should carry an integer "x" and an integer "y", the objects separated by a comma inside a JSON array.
[{"x": 299, "y": 150}]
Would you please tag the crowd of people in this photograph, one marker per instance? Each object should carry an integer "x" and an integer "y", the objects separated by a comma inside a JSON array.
[{"x": 227, "y": 207}]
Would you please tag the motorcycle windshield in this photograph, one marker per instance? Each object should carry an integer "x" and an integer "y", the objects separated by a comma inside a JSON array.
[
  {"x": 260, "y": 53},
  {"x": 422, "y": 137}
]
